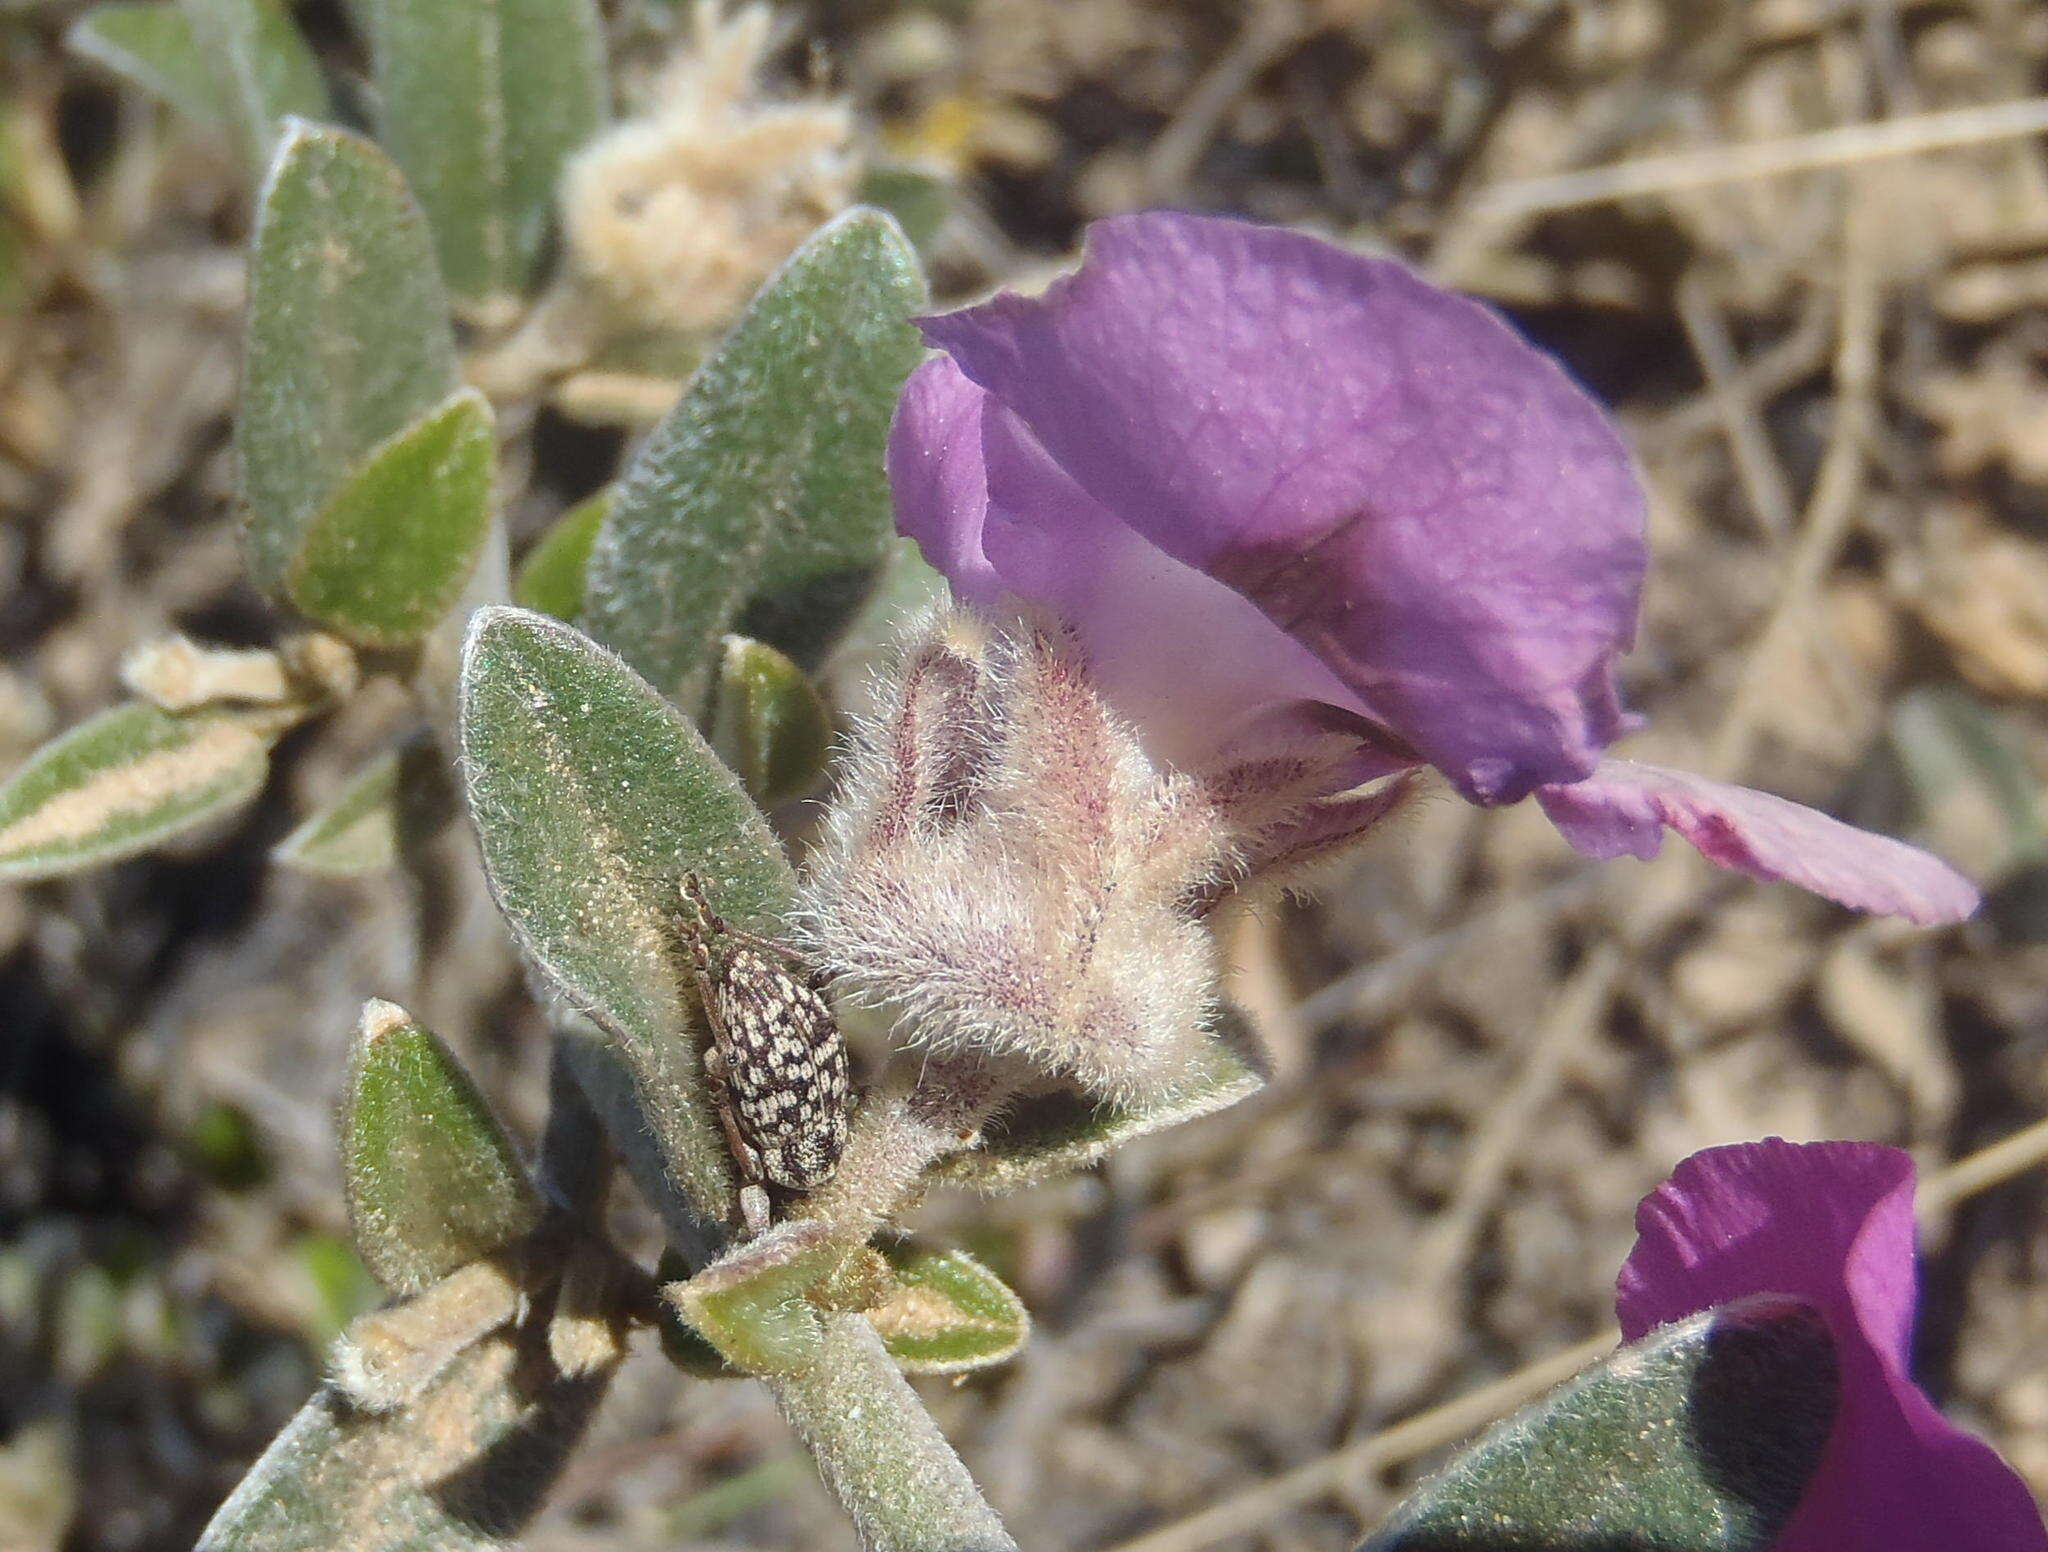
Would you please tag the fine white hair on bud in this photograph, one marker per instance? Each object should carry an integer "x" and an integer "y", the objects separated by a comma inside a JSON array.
[{"x": 1006, "y": 870}]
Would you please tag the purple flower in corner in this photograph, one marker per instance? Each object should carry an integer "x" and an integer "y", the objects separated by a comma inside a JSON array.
[
  {"x": 1831, "y": 1224},
  {"x": 1277, "y": 488}
]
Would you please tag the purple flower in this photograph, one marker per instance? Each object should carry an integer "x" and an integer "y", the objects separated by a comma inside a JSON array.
[
  {"x": 1831, "y": 1223},
  {"x": 1277, "y": 488}
]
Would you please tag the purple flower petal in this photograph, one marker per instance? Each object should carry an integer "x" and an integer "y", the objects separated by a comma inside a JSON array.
[
  {"x": 1624, "y": 808},
  {"x": 1832, "y": 1223},
  {"x": 1194, "y": 666},
  {"x": 937, "y": 479},
  {"x": 1387, "y": 470}
]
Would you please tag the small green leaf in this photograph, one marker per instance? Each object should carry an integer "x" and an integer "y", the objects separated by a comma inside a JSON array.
[
  {"x": 1980, "y": 799},
  {"x": 551, "y": 577},
  {"x": 769, "y": 723},
  {"x": 1053, "y": 1134},
  {"x": 123, "y": 782},
  {"x": 752, "y": 1305},
  {"x": 481, "y": 102},
  {"x": 387, "y": 557},
  {"x": 356, "y": 833},
  {"x": 342, "y": 1286},
  {"x": 1699, "y": 1438},
  {"x": 262, "y": 72},
  {"x": 920, "y": 198},
  {"x": 591, "y": 797},
  {"x": 459, "y": 1470},
  {"x": 150, "y": 43},
  {"x": 349, "y": 342},
  {"x": 433, "y": 1183},
  {"x": 760, "y": 501},
  {"x": 948, "y": 1314}
]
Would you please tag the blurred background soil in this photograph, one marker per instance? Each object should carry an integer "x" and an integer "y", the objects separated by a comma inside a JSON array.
[{"x": 1831, "y": 351}]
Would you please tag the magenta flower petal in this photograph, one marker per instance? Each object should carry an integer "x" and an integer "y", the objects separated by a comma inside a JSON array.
[
  {"x": 1410, "y": 490},
  {"x": 1832, "y": 1224},
  {"x": 1624, "y": 808}
]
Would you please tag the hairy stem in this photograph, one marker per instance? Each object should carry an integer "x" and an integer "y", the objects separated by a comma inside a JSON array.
[{"x": 879, "y": 1450}]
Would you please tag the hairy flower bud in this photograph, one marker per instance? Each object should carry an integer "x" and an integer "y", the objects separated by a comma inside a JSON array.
[{"x": 1007, "y": 870}]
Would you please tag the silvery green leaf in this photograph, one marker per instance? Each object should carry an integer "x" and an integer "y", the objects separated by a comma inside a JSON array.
[
  {"x": 388, "y": 554},
  {"x": 481, "y": 102},
  {"x": 591, "y": 797},
  {"x": 768, "y": 722},
  {"x": 261, "y": 70},
  {"x": 356, "y": 833},
  {"x": 759, "y": 503},
  {"x": 432, "y": 1181},
  {"x": 1699, "y": 1438},
  {"x": 124, "y": 781},
  {"x": 1051, "y": 1134},
  {"x": 150, "y": 43},
  {"x": 461, "y": 1469},
  {"x": 348, "y": 339},
  {"x": 551, "y": 577},
  {"x": 948, "y": 1314}
]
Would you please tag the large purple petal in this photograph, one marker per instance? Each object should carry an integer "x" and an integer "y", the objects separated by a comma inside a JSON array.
[
  {"x": 1624, "y": 808},
  {"x": 1832, "y": 1223},
  {"x": 1190, "y": 663},
  {"x": 1387, "y": 470},
  {"x": 1194, "y": 666}
]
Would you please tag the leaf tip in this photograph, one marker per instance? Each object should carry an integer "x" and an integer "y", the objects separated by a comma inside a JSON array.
[{"x": 382, "y": 1019}]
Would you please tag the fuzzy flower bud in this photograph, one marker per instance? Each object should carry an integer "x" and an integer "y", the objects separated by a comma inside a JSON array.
[{"x": 1006, "y": 869}]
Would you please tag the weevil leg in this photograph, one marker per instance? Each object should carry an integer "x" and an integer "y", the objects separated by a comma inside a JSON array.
[
  {"x": 754, "y": 1209},
  {"x": 745, "y": 1156}
]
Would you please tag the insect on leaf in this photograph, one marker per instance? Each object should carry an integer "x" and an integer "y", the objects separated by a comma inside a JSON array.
[{"x": 591, "y": 798}]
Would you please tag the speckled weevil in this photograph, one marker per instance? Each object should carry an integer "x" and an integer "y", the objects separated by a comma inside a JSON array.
[{"x": 776, "y": 1064}]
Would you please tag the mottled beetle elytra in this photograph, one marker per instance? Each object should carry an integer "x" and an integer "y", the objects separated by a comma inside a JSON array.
[{"x": 776, "y": 1064}]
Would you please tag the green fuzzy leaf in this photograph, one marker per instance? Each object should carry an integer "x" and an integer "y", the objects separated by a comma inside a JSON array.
[
  {"x": 125, "y": 781},
  {"x": 388, "y": 556},
  {"x": 1699, "y": 1438},
  {"x": 769, "y": 723},
  {"x": 349, "y": 342},
  {"x": 150, "y": 44},
  {"x": 1053, "y": 1134},
  {"x": 948, "y": 1314},
  {"x": 591, "y": 797},
  {"x": 551, "y": 577},
  {"x": 481, "y": 102},
  {"x": 760, "y": 501},
  {"x": 356, "y": 833},
  {"x": 752, "y": 1306},
  {"x": 461, "y": 1469},
  {"x": 433, "y": 1182},
  {"x": 262, "y": 73}
]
